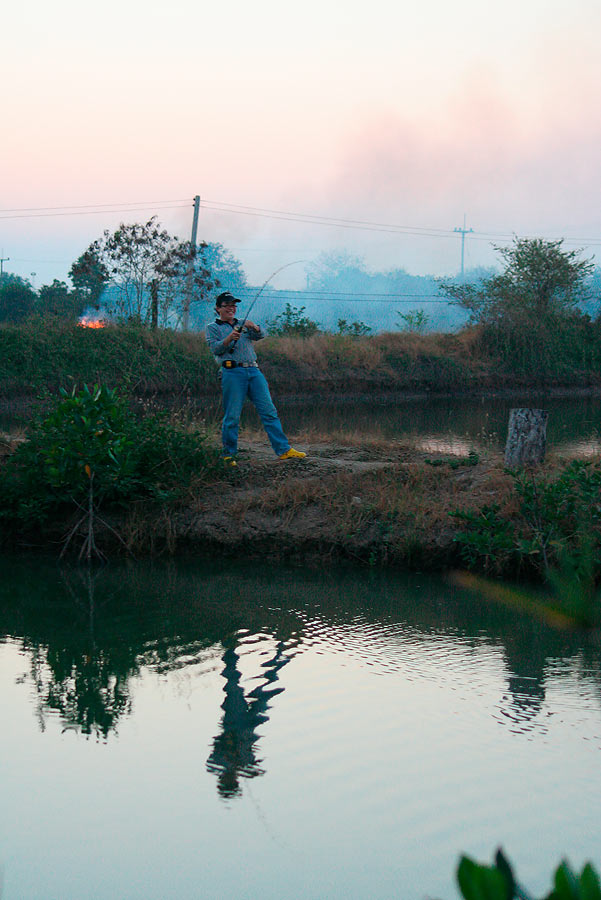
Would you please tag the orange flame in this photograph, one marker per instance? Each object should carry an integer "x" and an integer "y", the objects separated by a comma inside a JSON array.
[{"x": 91, "y": 322}]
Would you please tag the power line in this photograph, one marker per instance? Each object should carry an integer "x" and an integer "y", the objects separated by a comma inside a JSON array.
[
  {"x": 88, "y": 206},
  {"x": 325, "y": 219},
  {"x": 334, "y": 223},
  {"x": 344, "y": 296},
  {"x": 89, "y": 212},
  {"x": 424, "y": 231},
  {"x": 320, "y": 293},
  {"x": 280, "y": 215}
]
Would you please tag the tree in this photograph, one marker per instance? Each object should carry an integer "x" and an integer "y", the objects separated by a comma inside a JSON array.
[
  {"x": 89, "y": 276},
  {"x": 17, "y": 298},
  {"x": 541, "y": 281},
  {"x": 226, "y": 270},
  {"x": 226, "y": 273},
  {"x": 57, "y": 300},
  {"x": 138, "y": 260},
  {"x": 530, "y": 315},
  {"x": 341, "y": 271}
]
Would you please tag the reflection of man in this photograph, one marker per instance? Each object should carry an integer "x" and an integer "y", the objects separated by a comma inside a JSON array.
[
  {"x": 241, "y": 377},
  {"x": 233, "y": 753}
]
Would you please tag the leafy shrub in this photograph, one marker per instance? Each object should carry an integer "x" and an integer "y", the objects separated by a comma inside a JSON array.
[
  {"x": 91, "y": 449},
  {"x": 556, "y": 520},
  {"x": 487, "y": 540},
  {"x": 497, "y": 882},
  {"x": 414, "y": 320},
  {"x": 354, "y": 329},
  {"x": 293, "y": 322}
]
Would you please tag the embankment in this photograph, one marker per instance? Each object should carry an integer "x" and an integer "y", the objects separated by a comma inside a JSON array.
[{"x": 43, "y": 356}]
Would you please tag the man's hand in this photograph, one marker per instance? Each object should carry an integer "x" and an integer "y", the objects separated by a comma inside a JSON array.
[
  {"x": 252, "y": 325},
  {"x": 234, "y": 336}
]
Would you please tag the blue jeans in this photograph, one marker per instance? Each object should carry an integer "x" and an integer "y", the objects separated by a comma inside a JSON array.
[{"x": 238, "y": 384}]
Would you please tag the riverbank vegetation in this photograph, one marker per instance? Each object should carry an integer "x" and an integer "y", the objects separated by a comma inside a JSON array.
[
  {"x": 97, "y": 475},
  {"x": 534, "y": 325},
  {"x": 91, "y": 452},
  {"x": 41, "y": 355}
]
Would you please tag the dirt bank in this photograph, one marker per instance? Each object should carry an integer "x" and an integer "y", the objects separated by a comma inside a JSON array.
[{"x": 382, "y": 506}]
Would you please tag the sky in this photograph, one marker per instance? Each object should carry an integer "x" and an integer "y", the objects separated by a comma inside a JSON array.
[{"x": 282, "y": 116}]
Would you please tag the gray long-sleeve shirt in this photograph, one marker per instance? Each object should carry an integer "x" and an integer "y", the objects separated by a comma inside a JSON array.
[{"x": 243, "y": 350}]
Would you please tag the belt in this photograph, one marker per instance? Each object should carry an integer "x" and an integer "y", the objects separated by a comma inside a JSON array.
[{"x": 230, "y": 364}]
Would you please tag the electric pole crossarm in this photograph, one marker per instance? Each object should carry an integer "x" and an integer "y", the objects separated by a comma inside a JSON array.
[{"x": 463, "y": 231}]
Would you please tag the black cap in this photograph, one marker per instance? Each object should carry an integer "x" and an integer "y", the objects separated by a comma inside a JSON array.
[{"x": 225, "y": 298}]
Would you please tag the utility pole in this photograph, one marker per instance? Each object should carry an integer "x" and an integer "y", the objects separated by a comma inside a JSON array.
[
  {"x": 463, "y": 231},
  {"x": 3, "y": 259},
  {"x": 190, "y": 274}
]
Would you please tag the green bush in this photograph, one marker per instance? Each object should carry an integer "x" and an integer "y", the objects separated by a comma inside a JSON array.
[
  {"x": 293, "y": 322},
  {"x": 354, "y": 329},
  {"x": 92, "y": 449},
  {"x": 497, "y": 882},
  {"x": 555, "y": 517}
]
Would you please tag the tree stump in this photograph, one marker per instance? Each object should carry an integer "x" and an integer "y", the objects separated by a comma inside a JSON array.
[{"x": 527, "y": 437}]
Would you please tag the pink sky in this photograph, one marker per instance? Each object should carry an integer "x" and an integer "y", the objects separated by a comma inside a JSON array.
[{"x": 403, "y": 116}]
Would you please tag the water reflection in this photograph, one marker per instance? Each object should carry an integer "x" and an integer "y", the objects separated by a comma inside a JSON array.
[
  {"x": 87, "y": 685},
  {"x": 451, "y": 425},
  {"x": 417, "y": 722},
  {"x": 89, "y": 637},
  {"x": 526, "y": 658},
  {"x": 233, "y": 754}
]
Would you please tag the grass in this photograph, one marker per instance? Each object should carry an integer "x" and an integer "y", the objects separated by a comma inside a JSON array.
[{"x": 44, "y": 355}]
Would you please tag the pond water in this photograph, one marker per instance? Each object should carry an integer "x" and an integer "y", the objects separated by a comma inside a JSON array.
[
  {"x": 449, "y": 425},
  {"x": 251, "y": 731},
  {"x": 452, "y": 425}
]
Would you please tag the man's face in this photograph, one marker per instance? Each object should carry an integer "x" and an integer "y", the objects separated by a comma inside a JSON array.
[{"x": 227, "y": 312}]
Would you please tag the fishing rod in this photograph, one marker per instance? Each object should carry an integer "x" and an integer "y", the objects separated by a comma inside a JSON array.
[{"x": 239, "y": 326}]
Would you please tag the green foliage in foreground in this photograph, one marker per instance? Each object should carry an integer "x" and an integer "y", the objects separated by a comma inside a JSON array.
[
  {"x": 92, "y": 450},
  {"x": 555, "y": 532},
  {"x": 554, "y": 516},
  {"x": 497, "y": 882}
]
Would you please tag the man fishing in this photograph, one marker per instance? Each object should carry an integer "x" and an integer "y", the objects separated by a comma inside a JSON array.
[{"x": 231, "y": 343}]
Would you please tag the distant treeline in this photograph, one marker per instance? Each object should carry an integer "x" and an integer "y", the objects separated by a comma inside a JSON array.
[{"x": 141, "y": 273}]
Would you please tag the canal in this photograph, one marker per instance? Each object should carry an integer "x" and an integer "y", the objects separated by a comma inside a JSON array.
[{"x": 246, "y": 731}]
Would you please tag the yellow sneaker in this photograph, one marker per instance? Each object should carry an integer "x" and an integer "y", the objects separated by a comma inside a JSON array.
[
  {"x": 293, "y": 454},
  {"x": 229, "y": 461}
]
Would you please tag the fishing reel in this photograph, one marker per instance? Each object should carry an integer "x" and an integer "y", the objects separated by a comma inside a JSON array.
[{"x": 239, "y": 329}]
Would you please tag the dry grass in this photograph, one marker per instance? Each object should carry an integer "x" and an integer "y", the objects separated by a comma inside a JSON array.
[
  {"x": 322, "y": 352},
  {"x": 398, "y": 513},
  {"x": 10, "y": 442}
]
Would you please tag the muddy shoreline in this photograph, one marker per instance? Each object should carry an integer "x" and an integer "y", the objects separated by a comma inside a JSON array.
[{"x": 379, "y": 507}]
